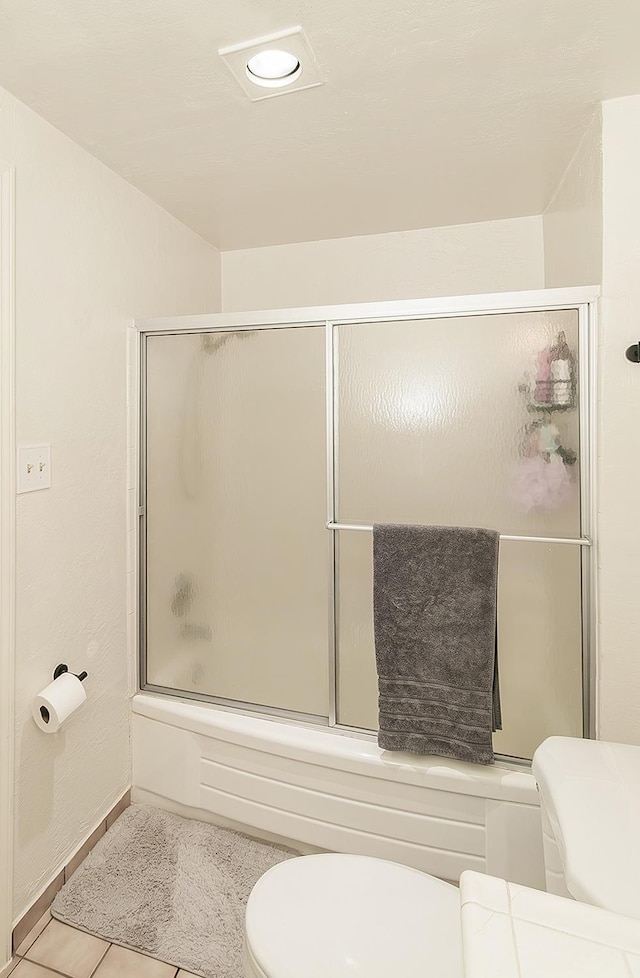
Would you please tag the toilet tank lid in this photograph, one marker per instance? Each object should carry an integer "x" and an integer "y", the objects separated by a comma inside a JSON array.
[{"x": 591, "y": 793}]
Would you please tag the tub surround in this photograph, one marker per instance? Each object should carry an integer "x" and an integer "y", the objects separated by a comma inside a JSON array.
[{"x": 323, "y": 789}]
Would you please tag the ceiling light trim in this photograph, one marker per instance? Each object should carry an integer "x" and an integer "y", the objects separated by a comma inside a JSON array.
[{"x": 293, "y": 41}]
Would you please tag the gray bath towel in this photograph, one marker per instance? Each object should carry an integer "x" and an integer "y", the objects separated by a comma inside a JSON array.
[{"x": 434, "y": 614}]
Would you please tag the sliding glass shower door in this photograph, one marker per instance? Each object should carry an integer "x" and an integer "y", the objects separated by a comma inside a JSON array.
[
  {"x": 270, "y": 452},
  {"x": 459, "y": 422},
  {"x": 236, "y": 547}
]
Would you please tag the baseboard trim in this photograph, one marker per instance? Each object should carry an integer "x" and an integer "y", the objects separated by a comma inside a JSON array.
[{"x": 31, "y": 917}]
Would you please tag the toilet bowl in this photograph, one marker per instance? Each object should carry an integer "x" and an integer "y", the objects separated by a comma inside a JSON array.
[{"x": 340, "y": 915}]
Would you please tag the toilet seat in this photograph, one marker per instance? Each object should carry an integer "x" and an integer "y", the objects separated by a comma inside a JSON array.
[{"x": 338, "y": 915}]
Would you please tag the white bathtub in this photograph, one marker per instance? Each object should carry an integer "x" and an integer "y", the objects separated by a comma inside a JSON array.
[{"x": 322, "y": 789}]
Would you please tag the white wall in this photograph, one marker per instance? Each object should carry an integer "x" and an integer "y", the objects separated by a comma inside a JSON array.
[
  {"x": 494, "y": 256},
  {"x": 572, "y": 221},
  {"x": 619, "y": 463},
  {"x": 91, "y": 253}
]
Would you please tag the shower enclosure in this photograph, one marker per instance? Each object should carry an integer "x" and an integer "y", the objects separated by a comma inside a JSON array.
[{"x": 270, "y": 444}]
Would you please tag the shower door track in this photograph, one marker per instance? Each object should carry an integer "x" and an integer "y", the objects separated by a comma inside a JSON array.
[{"x": 583, "y": 300}]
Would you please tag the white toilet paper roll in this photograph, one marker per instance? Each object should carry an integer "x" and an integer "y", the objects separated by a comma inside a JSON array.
[{"x": 57, "y": 702}]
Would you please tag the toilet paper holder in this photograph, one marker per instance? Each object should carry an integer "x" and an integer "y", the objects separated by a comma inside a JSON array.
[
  {"x": 62, "y": 668},
  {"x": 50, "y": 718}
]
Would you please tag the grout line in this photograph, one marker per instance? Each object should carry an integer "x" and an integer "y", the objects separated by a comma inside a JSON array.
[
  {"x": 48, "y": 967},
  {"x": 516, "y": 917},
  {"x": 627, "y": 964},
  {"x": 109, "y": 946},
  {"x": 516, "y": 952},
  {"x": 35, "y": 938}
]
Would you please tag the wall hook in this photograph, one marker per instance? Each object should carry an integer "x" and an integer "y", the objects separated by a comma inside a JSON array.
[{"x": 633, "y": 353}]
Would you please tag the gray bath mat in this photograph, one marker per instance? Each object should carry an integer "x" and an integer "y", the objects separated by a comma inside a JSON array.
[{"x": 171, "y": 887}]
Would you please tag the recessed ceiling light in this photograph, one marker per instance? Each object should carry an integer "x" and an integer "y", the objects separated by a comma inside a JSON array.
[
  {"x": 273, "y": 65},
  {"x": 273, "y": 68}
]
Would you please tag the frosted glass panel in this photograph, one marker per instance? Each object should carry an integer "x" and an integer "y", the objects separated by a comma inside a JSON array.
[
  {"x": 459, "y": 421},
  {"x": 236, "y": 543},
  {"x": 539, "y": 641}
]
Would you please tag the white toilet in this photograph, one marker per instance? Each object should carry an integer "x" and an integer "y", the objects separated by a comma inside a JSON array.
[
  {"x": 334, "y": 915},
  {"x": 339, "y": 915}
]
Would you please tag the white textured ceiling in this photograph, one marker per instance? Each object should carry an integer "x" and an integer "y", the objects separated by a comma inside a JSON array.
[{"x": 434, "y": 111}]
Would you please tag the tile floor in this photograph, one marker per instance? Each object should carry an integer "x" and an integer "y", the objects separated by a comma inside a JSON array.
[{"x": 53, "y": 949}]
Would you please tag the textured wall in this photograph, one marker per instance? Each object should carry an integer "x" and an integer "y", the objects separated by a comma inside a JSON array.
[
  {"x": 619, "y": 463},
  {"x": 572, "y": 222},
  {"x": 495, "y": 256},
  {"x": 91, "y": 254}
]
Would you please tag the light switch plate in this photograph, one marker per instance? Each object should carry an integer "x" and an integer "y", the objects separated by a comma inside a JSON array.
[{"x": 34, "y": 468}]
